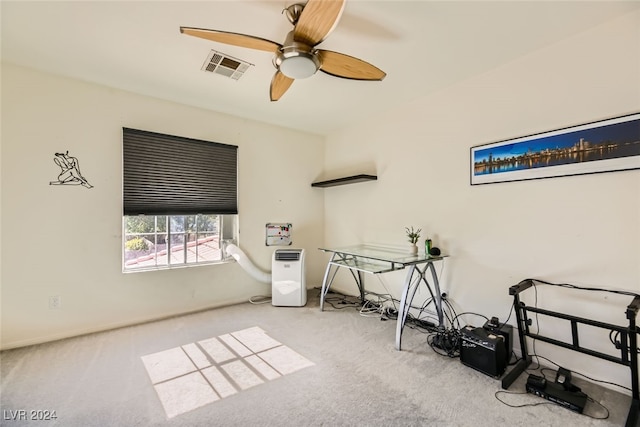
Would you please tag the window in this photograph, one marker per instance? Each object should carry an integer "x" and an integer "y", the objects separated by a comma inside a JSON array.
[
  {"x": 156, "y": 241},
  {"x": 179, "y": 198}
]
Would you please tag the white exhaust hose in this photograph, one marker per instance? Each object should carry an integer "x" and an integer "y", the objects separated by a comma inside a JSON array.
[{"x": 248, "y": 266}]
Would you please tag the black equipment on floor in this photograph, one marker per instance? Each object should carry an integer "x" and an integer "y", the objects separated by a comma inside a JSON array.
[
  {"x": 628, "y": 340},
  {"x": 483, "y": 350},
  {"x": 487, "y": 349},
  {"x": 561, "y": 391}
]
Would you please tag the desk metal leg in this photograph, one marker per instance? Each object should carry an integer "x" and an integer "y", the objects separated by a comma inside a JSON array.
[
  {"x": 437, "y": 298},
  {"x": 405, "y": 302},
  {"x": 358, "y": 276},
  {"x": 360, "y": 282},
  {"x": 326, "y": 282},
  {"x": 409, "y": 292}
]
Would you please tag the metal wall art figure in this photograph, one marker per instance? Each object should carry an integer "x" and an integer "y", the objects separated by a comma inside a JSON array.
[{"x": 70, "y": 171}]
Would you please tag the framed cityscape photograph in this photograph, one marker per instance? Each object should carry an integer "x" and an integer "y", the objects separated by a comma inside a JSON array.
[{"x": 602, "y": 146}]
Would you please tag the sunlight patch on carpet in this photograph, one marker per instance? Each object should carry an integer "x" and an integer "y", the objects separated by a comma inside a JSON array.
[{"x": 197, "y": 374}]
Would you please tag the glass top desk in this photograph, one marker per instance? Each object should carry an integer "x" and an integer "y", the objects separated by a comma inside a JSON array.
[{"x": 373, "y": 259}]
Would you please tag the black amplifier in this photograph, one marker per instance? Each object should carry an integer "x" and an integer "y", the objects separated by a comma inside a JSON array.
[{"x": 484, "y": 350}]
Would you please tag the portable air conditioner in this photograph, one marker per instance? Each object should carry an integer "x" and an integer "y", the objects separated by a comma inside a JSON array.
[{"x": 288, "y": 285}]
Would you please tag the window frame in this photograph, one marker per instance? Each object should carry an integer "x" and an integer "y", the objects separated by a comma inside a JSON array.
[{"x": 223, "y": 240}]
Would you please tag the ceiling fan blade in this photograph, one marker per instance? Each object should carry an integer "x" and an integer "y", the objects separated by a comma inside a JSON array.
[
  {"x": 235, "y": 39},
  {"x": 279, "y": 85},
  {"x": 348, "y": 67},
  {"x": 317, "y": 20}
]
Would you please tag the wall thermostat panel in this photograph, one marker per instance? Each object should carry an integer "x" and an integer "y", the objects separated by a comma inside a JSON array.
[{"x": 278, "y": 234}]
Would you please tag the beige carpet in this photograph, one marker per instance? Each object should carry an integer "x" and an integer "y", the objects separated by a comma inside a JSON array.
[{"x": 259, "y": 365}]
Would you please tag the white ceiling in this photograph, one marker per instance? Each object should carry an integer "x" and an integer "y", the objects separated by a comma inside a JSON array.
[{"x": 423, "y": 46}]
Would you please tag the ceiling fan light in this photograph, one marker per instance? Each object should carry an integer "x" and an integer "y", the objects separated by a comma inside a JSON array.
[{"x": 298, "y": 67}]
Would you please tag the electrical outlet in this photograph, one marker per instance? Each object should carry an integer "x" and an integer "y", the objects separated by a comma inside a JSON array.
[{"x": 55, "y": 302}]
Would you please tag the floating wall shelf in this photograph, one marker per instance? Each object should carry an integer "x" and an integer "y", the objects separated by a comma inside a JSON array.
[{"x": 346, "y": 180}]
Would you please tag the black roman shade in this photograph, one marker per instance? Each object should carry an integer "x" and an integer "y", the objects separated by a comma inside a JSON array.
[{"x": 172, "y": 175}]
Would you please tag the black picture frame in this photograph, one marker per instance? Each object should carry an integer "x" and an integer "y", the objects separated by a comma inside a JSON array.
[{"x": 601, "y": 146}]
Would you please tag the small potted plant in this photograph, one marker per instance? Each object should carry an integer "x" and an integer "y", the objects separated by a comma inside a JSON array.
[{"x": 413, "y": 236}]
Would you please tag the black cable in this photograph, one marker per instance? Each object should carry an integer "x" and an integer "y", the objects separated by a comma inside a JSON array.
[
  {"x": 519, "y": 406},
  {"x": 368, "y": 307},
  {"x": 533, "y": 343},
  {"x": 420, "y": 326},
  {"x": 445, "y": 342},
  {"x": 599, "y": 404},
  {"x": 615, "y": 340},
  {"x": 470, "y": 312},
  {"x": 390, "y": 298},
  {"x": 425, "y": 305},
  {"x": 453, "y": 311},
  {"x": 411, "y": 321},
  {"x": 447, "y": 310},
  {"x": 513, "y": 353},
  {"x": 508, "y": 317},
  {"x": 570, "y": 286},
  {"x": 545, "y": 369},
  {"x": 343, "y": 300}
]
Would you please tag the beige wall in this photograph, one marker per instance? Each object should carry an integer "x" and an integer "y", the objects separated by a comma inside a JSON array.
[
  {"x": 66, "y": 240},
  {"x": 582, "y": 230}
]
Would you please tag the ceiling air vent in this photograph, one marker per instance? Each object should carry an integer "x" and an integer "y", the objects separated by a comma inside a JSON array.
[{"x": 223, "y": 64}]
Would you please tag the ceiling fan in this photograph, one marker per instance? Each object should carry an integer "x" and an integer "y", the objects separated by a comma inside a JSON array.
[{"x": 297, "y": 57}]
